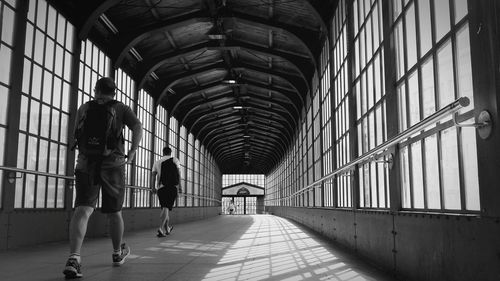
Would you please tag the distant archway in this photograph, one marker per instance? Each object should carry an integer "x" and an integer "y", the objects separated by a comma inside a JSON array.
[{"x": 243, "y": 191}]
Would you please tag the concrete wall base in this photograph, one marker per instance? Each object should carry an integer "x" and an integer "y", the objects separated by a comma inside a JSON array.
[{"x": 31, "y": 227}]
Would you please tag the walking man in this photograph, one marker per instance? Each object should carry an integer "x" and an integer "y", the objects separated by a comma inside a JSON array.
[
  {"x": 167, "y": 178},
  {"x": 101, "y": 164}
]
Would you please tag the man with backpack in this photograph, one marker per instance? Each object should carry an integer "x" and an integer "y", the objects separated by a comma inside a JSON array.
[
  {"x": 167, "y": 178},
  {"x": 101, "y": 164}
]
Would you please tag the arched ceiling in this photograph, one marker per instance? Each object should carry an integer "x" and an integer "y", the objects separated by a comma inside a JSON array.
[{"x": 184, "y": 53}]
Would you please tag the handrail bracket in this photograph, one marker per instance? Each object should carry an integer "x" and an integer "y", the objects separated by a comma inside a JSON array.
[
  {"x": 12, "y": 176},
  {"x": 483, "y": 125}
]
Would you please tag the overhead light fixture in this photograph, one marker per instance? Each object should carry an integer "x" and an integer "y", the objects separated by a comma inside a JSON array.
[
  {"x": 246, "y": 136},
  {"x": 229, "y": 79},
  {"x": 155, "y": 77},
  {"x": 108, "y": 24},
  {"x": 170, "y": 90},
  {"x": 217, "y": 36},
  {"x": 237, "y": 107},
  {"x": 136, "y": 54},
  {"x": 216, "y": 32}
]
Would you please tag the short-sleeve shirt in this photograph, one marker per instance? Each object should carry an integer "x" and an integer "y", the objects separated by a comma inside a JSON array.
[
  {"x": 124, "y": 117},
  {"x": 157, "y": 169}
]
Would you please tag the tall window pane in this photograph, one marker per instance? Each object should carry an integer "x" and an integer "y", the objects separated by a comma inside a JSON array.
[
  {"x": 42, "y": 109},
  {"x": 438, "y": 173}
]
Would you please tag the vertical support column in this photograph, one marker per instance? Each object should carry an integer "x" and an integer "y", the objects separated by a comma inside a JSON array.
[
  {"x": 167, "y": 135},
  {"x": 200, "y": 202},
  {"x": 353, "y": 141},
  {"x": 14, "y": 112},
  {"x": 153, "y": 149},
  {"x": 73, "y": 107},
  {"x": 184, "y": 168},
  {"x": 485, "y": 45},
  {"x": 193, "y": 174},
  {"x": 313, "y": 190},
  {"x": 391, "y": 106},
  {"x": 333, "y": 127},
  {"x": 135, "y": 97},
  {"x": 322, "y": 170}
]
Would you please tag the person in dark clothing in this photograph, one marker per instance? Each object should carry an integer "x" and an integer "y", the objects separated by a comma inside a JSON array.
[
  {"x": 167, "y": 191},
  {"x": 106, "y": 172}
]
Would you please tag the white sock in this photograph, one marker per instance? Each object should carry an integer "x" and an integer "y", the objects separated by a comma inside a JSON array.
[
  {"x": 117, "y": 252},
  {"x": 75, "y": 256}
]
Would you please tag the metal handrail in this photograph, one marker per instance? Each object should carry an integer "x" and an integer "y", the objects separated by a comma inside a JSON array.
[
  {"x": 70, "y": 178},
  {"x": 375, "y": 152},
  {"x": 200, "y": 197},
  {"x": 33, "y": 172}
]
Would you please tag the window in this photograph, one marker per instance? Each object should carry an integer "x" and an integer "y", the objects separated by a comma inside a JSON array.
[
  {"x": 370, "y": 101},
  {"x": 143, "y": 161},
  {"x": 160, "y": 137},
  {"x": 255, "y": 179},
  {"x": 182, "y": 200},
  {"x": 327, "y": 149},
  {"x": 434, "y": 73},
  {"x": 125, "y": 89},
  {"x": 44, "y": 104},
  {"x": 7, "y": 13},
  {"x": 341, "y": 104}
]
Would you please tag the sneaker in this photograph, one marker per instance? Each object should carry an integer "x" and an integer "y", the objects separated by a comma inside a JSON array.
[
  {"x": 169, "y": 229},
  {"x": 160, "y": 234},
  {"x": 72, "y": 269},
  {"x": 119, "y": 259}
]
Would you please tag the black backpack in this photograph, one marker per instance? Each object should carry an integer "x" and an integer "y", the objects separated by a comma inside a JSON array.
[
  {"x": 169, "y": 174},
  {"x": 96, "y": 133}
]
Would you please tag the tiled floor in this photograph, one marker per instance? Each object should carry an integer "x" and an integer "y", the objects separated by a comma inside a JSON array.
[{"x": 260, "y": 247}]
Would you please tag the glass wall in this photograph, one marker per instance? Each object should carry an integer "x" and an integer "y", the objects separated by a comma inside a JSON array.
[
  {"x": 182, "y": 152},
  {"x": 7, "y": 12},
  {"x": 45, "y": 111},
  {"x": 316, "y": 196},
  {"x": 43, "y": 135},
  {"x": 308, "y": 199},
  {"x": 189, "y": 187},
  {"x": 94, "y": 64},
  {"x": 326, "y": 125},
  {"x": 196, "y": 172},
  {"x": 432, "y": 68},
  {"x": 370, "y": 100},
  {"x": 230, "y": 179},
  {"x": 160, "y": 138},
  {"x": 341, "y": 103},
  {"x": 125, "y": 92},
  {"x": 143, "y": 161}
]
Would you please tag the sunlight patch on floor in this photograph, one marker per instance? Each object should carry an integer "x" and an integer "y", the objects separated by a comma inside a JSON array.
[{"x": 275, "y": 249}]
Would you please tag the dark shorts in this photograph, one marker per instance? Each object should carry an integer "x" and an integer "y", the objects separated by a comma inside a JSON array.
[
  {"x": 89, "y": 180},
  {"x": 167, "y": 196}
]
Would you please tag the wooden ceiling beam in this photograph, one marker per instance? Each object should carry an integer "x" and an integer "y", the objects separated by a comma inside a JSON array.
[
  {"x": 187, "y": 96},
  {"x": 233, "y": 122}
]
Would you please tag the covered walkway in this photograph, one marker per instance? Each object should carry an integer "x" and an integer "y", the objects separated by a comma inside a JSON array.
[{"x": 259, "y": 247}]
